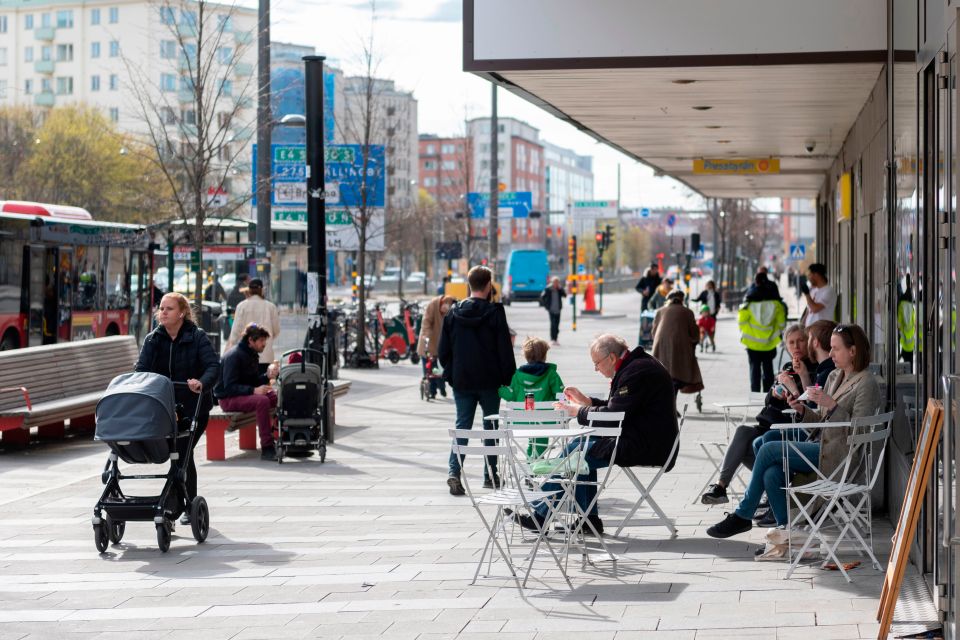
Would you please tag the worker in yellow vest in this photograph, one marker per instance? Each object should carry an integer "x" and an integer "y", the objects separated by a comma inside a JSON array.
[{"x": 760, "y": 320}]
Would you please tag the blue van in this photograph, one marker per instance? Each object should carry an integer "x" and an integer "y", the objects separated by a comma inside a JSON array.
[{"x": 527, "y": 274}]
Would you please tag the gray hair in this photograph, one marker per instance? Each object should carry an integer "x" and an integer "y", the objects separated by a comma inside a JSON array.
[
  {"x": 608, "y": 343},
  {"x": 793, "y": 328}
]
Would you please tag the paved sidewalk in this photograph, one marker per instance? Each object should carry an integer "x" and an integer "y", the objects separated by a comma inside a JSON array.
[{"x": 371, "y": 544}]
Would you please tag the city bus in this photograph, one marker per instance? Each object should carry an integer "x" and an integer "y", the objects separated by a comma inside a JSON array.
[{"x": 65, "y": 276}]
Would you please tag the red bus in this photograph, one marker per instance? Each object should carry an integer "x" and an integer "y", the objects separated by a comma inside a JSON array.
[{"x": 65, "y": 276}]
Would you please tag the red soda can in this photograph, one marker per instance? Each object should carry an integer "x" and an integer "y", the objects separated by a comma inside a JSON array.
[{"x": 528, "y": 402}]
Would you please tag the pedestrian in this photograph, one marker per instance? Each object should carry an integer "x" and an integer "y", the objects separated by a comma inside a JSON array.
[
  {"x": 648, "y": 284},
  {"x": 214, "y": 291},
  {"x": 538, "y": 377},
  {"x": 551, "y": 299},
  {"x": 760, "y": 319},
  {"x": 244, "y": 388},
  {"x": 675, "y": 339},
  {"x": 476, "y": 354},
  {"x": 659, "y": 297},
  {"x": 263, "y": 313},
  {"x": 710, "y": 297},
  {"x": 181, "y": 351},
  {"x": 429, "y": 341},
  {"x": 820, "y": 295},
  {"x": 906, "y": 321},
  {"x": 237, "y": 295}
]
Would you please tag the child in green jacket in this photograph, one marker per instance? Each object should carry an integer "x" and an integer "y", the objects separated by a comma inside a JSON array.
[{"x": 538, "y": 377}]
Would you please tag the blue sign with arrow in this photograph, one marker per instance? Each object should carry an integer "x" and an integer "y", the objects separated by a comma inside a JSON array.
[{"x": 521, "y": 202}]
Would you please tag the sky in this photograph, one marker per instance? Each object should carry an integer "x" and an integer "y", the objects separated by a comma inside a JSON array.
[{"x": 419, "y": 43}]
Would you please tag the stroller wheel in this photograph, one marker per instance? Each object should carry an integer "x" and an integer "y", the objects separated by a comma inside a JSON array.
[
  {"x": 115, "y": 529},
  {"x": 322, "y": 450},
  {"x": 100, "y": 536},
  {"x": 414, "y": 357},
  {"x": 163, "y": 537},
  {"x": 199, "y": 518}
]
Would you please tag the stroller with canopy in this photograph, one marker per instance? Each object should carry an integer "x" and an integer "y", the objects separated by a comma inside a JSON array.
[
  {"x": 301, "y": 425},
  {"x": 137, "y": 418}
]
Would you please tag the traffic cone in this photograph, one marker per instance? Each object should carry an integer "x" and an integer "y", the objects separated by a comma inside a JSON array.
[{"x": 589, "y": 303}]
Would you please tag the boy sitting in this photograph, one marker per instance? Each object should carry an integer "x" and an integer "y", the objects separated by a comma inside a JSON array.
[
  {"x": 538, "y": 377},
  {"x": 708, "y": 326}
]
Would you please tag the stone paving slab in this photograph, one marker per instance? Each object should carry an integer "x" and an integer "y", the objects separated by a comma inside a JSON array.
[{"x": 371, "y": 545}]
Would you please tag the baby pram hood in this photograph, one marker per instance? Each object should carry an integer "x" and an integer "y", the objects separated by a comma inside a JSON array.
[{"x": 135, "y": 407}]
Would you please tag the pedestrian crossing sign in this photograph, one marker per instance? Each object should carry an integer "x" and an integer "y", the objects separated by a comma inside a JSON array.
[{"x": 798, "y": 252}]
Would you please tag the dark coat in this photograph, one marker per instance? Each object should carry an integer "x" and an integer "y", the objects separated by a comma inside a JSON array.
[
  {"x": 706, "y": 295},
  {"x": 190, "y": 355},
  {"x": 547, "y": 294},
  {"x": 675, "y": 339},
  {"x": 241, "y": 372},
  {"x": 475, "y": 350},
  {"x": 648, "y": 283},
  {"x": 643, "y": 390}
]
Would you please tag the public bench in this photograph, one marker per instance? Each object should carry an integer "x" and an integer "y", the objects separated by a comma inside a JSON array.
[
  {"x": 47, "y": 385},
  {"x": 221, "y": 422}
]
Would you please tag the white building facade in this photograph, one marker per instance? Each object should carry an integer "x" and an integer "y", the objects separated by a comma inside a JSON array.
[{"x": 569, "y": 177}]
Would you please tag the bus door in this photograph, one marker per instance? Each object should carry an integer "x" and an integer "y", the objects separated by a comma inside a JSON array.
[
  {"x": 35, "y": 281},
  {"x": 141, "y": 290}
]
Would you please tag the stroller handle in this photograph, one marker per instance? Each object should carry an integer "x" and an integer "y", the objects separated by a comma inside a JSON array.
[{"x": 303, "y": 350}]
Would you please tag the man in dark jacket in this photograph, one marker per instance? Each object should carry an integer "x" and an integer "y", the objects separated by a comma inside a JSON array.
[
  {"x": 243, "y": 388},
  {"x": 648, "y": 284},
  {"x": 640, "y": 387},
  {"x": 551, "y": 299},
  {"x": 477, "y": 359}
]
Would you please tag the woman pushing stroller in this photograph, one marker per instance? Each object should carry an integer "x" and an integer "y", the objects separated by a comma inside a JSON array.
[{"x": 181, "y": 351}]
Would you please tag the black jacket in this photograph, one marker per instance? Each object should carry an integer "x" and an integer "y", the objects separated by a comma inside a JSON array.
[
  {"x": 475, "y": 350},
  {"x": 643, "y": 390},
  {"x": 650, "y": 283},
  {"x": 241, "y": 372},
  {"x": 547, "y": 294},
  {"x": 704, "y": 298},
  {"x": 190, "y": 355}
]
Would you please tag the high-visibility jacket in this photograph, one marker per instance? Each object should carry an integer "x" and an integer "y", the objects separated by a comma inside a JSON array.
[
  {"x": 906, "y": 325},
  {"x": 760, "y": 324}
]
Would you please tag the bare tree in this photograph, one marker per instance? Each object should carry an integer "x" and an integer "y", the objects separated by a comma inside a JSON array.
[{"x": 197, "y": 114}]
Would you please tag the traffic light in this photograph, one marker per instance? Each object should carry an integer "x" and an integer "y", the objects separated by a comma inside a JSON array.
[
  {"x": 609, "y": 233},
  {"x": 694, "y": 243},
  {"x": 601, "y": 241}
]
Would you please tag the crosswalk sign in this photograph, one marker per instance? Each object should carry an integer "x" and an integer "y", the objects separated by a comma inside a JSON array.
[{"x": 798, "y": 252}]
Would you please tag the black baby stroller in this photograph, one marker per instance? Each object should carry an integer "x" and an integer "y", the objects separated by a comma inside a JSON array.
[
  {"x": 301, "y": 425},
  {"x": 137, "y": 417},
  {"x": 433, "y": 374}
]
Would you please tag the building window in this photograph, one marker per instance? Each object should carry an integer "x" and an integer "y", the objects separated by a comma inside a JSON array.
[
  {"x": 188, "y": 18},
  {"x": 28, "y": 54},
  {"x": 94, "y": 16},
  {"x": 3, "y": 24},
  {"x": 114, "y": 15},
  {"x": 64, "y": 53},
  {"x": 431, "y": 149},
  {"x": 168, "y": 116},
  {"x": 447, "y": 148},
  {"x": 114, "y": 48},
  {"x": 448, "y": 165},
  {"x": 224, "y": 54},
  {"x": 65, "y": 86},
  {"x": 94, "y": 83},
  {"x": 3, "y": 56},
  {"x": 94, "y": 49},
  {"x": 28, "y": 21},
  {"x": 225, "y": 23},
  {"x": 228, "y": 87},
  {"x": 28, "y": 86},
  {"x": 46, "y": 86},
  {"x": 429, "y": 182},
  {"x": 168, "y": 15},
  {"x": 65, "y": 19},
  {"x": 188, "y": 116},
  {"x": 114, "y": 82},
  {"x": 114, "y": 114},
  {"x": 429, "y": 165},
  {"x": 46, "y": 53},
  {"x": 168, "y": 82},
  {"x": 168, "y": 49},
  {"x": 44, "y": 19},
  {"x": 224, "y": 119}
]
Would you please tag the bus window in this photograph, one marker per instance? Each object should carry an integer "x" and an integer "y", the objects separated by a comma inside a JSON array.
[
  {"x": 116, "y": 279},
  {"x": 11, "y": 323},
  {"x": 87, "y": 262}
]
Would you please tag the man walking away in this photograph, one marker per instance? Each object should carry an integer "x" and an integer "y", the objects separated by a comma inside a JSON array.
[
  {"x": 648, "y": 284},
  {"x": 552, "y": 300},
  {"x": 820, "y": 296},
  {"x": 477, "y": 358}
]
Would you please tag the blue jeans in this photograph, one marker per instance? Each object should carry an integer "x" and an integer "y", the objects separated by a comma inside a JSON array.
[
  {"x": 768, "y": 476},
  {"x": 584, "y": 493},
  {"x": 775, "y": 435},
  {"x": 466, "y": 403}
]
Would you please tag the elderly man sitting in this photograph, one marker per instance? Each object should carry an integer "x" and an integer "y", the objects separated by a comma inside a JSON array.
[{"x": 640, "y": 387}]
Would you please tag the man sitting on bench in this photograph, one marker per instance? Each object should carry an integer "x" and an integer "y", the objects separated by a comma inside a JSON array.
[{"x": 243, "y": 389}]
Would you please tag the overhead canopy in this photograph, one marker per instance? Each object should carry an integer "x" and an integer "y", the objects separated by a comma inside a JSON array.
[{"x": 670, "y": 83}]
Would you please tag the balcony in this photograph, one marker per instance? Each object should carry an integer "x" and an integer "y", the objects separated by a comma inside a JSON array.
[
  {"x": 243, "y": 37},
  {"x": 243, "y": 69},
  {"x": 44, "y": 99},
  {"x": 43, "y": 66},
  {"x": 44, "y": 34}
]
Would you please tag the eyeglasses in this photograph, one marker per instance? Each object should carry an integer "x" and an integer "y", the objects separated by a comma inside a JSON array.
[{"x": 596, "y": 363}]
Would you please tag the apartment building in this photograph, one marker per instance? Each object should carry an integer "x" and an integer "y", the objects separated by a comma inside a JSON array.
[
  {"x": 568, "y": 176},
  {"x": 446, "y": 167},
  {"x": 519, "y": 157}
]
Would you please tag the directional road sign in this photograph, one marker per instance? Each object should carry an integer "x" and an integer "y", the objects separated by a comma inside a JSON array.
[
  {"x": 672, "y": 220},
  {"x": 517, "y": 203}
]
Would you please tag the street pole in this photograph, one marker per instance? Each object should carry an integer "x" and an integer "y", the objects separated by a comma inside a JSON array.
[
  {"x": 316, "y": 214},
  {"x": 264, "y": 139},
  {"x": 573, "y": 281},
  {"x": 494, "y": 178}
]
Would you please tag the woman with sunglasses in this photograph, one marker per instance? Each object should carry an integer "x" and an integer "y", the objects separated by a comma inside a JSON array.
[{"x": 851, "y": 391}]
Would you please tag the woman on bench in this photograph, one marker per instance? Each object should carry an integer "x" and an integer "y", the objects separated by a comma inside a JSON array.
[{"x": 181, "y": 351}]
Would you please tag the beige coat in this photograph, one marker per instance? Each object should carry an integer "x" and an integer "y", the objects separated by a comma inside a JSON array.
[
  {"x": 430, "y": 327},
  {"x": 675, "y": 338},
  {"x": 265, "y": 314},
  {"x": 857, "y": 396}
]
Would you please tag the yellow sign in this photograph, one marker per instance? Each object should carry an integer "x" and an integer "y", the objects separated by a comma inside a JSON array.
[
  {"x": 735, "y": 166},
  {"x": 843, "y": 201},
  {"x": 581, "y": 255}
]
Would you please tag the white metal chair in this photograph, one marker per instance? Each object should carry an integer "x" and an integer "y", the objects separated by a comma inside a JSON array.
[
  {"x": 715, "y": 450},
  {"x": 537, "y": 406},
  {"x": 645, "y": 491},
  {"x": 516, "y": 497},
  {"x": 840, "y": 501}
]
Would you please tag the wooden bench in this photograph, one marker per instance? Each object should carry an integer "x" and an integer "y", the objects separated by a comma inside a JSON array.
[
  {"x": 45, "y": 386},
  {"x": 246, "y": 424}
]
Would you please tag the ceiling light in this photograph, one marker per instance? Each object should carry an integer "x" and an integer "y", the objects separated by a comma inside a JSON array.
[
  {"x": 723, "y": 141},
  {"x": 683, "y": 81},
  {"x": 702, "y": 107}
]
